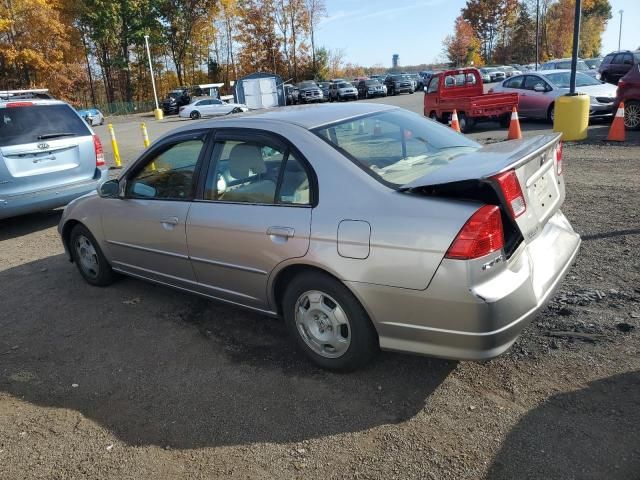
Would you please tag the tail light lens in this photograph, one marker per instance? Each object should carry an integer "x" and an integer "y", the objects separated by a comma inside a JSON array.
[
  {"x": 559, "y": 158},
  {"x": 510, "y": 186},
  {"x": 481, "y": 235},
  {"x": 18, "y": 104},
  {"x": 621, "y": 83},
  {"x": 97, "y": 146}
]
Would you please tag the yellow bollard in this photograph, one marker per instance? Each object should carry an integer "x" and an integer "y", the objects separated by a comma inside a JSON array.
[
  {"x": 158, "y": 114},
  {"x": 114, "y": 145},
  {"x": 145, "y": 135}
]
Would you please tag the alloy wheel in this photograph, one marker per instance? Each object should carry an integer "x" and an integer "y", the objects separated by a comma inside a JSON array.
[
  {"x": 323, "y": 324},
  {"x": 632, "y": 116}
]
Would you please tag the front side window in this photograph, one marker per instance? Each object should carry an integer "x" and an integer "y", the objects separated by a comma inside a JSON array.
[
  {"x": 168, "y": 175},
  {"x": 532, "y": 81},
  {"x": 618, "y": 59},
  {"x": 515, "y": 82},
  {"x": 396, "y": 147},
  {"x": 255, "y": 172},
  {"x": 433, "y": 85}
]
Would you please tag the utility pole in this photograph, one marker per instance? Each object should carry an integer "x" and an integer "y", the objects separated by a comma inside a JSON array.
[
  {"x": 620, "y": 33},
  {"x": 537, "y": 33}
]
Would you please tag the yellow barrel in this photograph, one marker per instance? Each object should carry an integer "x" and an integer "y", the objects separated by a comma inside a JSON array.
[
  {"x": 572, "y": 116},
  {"x": 157, "y": 112}
]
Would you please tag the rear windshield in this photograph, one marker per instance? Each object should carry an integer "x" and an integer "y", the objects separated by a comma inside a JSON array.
[
  {"x": 19, "y": 125},
  {"x": 396, "y": 147}
]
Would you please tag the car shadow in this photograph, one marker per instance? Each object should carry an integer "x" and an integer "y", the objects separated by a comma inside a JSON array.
[
  {"x": 159, "y": 367},
  {"x": 22, "y": 225},
  {"x": 587, "y": 434}
]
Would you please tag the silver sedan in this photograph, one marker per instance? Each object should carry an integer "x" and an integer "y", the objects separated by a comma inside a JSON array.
[
  {"x": 364, "y": 226},
  {"x": 537, "y": 92}
]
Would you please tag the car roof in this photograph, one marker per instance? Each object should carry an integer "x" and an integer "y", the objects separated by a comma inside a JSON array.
[
  {"x": 35, "y": 101},
  {"x": 305, "y": 116}
]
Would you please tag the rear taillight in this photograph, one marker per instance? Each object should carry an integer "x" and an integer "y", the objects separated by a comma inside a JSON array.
[
  {"x": 97, "y": 146},
  {"x": 558, "y": 155},
  {"x": 481, "y": 235},
  {"x": 510, "y": 186},
  {"x": 621, "y": 83}
]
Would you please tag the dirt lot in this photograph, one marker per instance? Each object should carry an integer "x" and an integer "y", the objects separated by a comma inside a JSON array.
[{"x": 138, "y": 381}]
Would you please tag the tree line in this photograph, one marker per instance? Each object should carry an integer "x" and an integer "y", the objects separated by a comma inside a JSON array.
[
  {"x": 93, "y": 51},
  {"x": 504, "y": 31}
]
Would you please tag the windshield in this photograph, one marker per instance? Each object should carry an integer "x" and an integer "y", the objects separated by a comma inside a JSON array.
[
  {"x": 370, "y": 83},
  {"x": 175, "y": 94},
  {"x": 396, "y": 147},
  {"x": 344, "y": 85},
  {"x": 307, "y": 84},
  {"x": 562, "y": 79},
  {"x": 19, "y": 125}
]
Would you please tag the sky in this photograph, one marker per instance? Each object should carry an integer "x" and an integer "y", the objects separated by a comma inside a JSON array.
[{"x": 369, "y": 32}]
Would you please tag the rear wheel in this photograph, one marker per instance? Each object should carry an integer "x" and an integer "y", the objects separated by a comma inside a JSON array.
[
  {"x": 88, "y": 257},
  {"x": 236, "y": 110},
  {"x": 434, "y": 116},
  {"x": 632, "y": 115},
  {"x": 194, "y": 115},
  {"x": 328, "y": 323},
  {"x": 505, "y": 120},
  {"x": 551, "y": 113}
]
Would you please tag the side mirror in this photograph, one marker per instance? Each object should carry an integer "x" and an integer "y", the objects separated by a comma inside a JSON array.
[
  {"x": 109, "y": 189},
  {"x": 539, "y": 88}
]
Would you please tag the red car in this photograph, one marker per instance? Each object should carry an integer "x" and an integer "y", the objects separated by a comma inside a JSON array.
[
  {"x": 629, "y": 92},
  {"x": 462, "y": 90}
]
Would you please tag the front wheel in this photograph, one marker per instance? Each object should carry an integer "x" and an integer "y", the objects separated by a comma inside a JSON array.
[
  {"x": 88, "y": 257},
  {"x": 632, "y": 115},
  {"x": 551, "y": 113},
  {"x": 328, "y": 323},
  {"x": 504, "y": 120}
]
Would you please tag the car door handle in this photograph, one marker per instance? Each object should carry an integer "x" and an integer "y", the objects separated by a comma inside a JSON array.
[
  {"x": 286, "y": 232},
  {"x": 170, "y": 221}
]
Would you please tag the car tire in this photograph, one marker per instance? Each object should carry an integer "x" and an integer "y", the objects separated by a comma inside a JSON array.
[
  {"x": 319, "y": 312},
  {"x": 603, "y": 78},
  {"x": 466, "y": 123},
  {"x": 504, "y": 120},
  {"x": 434, "y": 116},
  {"x": 236, "y": 110},
  {"x": 551, "y": 113},
  {"x": 632, "y": 115},
  {"x": 195, "y": 115},
  {"x": 88, "y": 257}
]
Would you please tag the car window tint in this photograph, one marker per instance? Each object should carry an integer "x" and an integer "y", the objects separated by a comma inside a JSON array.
[
  {"x": 628, "y": 59},
  {"x": 26, "y": 124},
  {"x": 245, "y": 172},
  {"x": 515, "y": 82},
  {"x": 295, "y": 183},
  {"x": 168, "y": 175},
  {"x": 216, "y": 102},
  {"x": 618, "y": 58}
]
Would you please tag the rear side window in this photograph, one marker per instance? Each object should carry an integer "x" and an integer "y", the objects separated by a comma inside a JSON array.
[
  {"x": 607, "y": 59},
  {"x": 618, "y": 59},
  {"x": 37, "y": 123}
]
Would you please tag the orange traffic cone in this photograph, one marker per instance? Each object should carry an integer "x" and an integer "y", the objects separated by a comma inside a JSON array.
[
  {"x": 616, "y": 132},
  {"x": 454, "y": 121},
  {"x": 514, "y": 126}
]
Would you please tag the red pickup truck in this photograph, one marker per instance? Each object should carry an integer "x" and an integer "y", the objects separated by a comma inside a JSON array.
[{"x": 462, "y": 90}]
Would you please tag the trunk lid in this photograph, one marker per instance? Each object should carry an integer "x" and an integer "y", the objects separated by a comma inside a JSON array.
[
  {"x": 32, "y": 155},
  {"x": 534, "y": 163}
]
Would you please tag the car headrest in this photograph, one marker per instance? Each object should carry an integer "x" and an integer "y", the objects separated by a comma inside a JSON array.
[{"x": 245, "y": 160}]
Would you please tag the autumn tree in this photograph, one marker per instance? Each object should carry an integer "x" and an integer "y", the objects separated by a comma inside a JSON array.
[
  {"x": 462, "y": 45},
  {"x": 485, "y": 17}
]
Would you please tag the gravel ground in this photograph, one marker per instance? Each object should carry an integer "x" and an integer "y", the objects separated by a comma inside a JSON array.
[{"x": 139, "y": 381}]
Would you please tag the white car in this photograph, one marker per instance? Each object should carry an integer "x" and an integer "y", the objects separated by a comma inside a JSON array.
[
  {"x": 92, "y": 116},
  {"x": 210, "y": 107}
]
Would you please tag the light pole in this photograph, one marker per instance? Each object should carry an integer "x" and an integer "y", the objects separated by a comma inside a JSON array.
[
  {"x": 537, "y": 31},
  {"x": 157, "y": 112},
  {"x": 620, "y": 33}
]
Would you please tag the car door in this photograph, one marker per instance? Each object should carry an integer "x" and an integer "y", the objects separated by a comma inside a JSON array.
[
  {"x": 253, "y": 212},
  {"x": 535, "y": 104},
  {"x": 204, "y": 107},
  {"x": 145, "y": 228},
  {"x": 616, "y": 67}
]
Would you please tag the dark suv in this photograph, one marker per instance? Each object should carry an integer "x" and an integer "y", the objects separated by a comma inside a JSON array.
[
  {"x": 398, "y": 83},
  {"x": 177, "y": 98},
  {"x": 616, "y": 65}
]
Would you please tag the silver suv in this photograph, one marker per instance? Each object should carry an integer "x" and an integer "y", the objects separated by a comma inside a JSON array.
[{"x": 48, "y": 155}]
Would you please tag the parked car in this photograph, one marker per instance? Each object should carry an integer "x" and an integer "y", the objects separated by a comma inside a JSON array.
[
  {"x": 462, "y": 90},
  {"x": 92, "y": 116},
  {"x": 48, "y": 156},
  {"x": 615, "y": 65},
  {"x": 398, "y": 83},
  {"x": 537, "y": 92},
  {"x": 484, "y": 74},
  {"x": 210, "y": 107},
  {"x": 309, "y": 92},
  {"x": 339, "y": 91},
  {"x": 324, "y": 86},
  {"x": 495, "y": 74},
  {"x": 342, "y": 257},
  {"x": 593, "y": 63},
  {"x": 291, "y": 93},
  {"x": 370, "y": 88},
  {"x": 177, "y": 98},
  {"x": 510, "y": 71},
  {"x": 629, "y": 92},
  {"x": 565, "y": 64}
]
